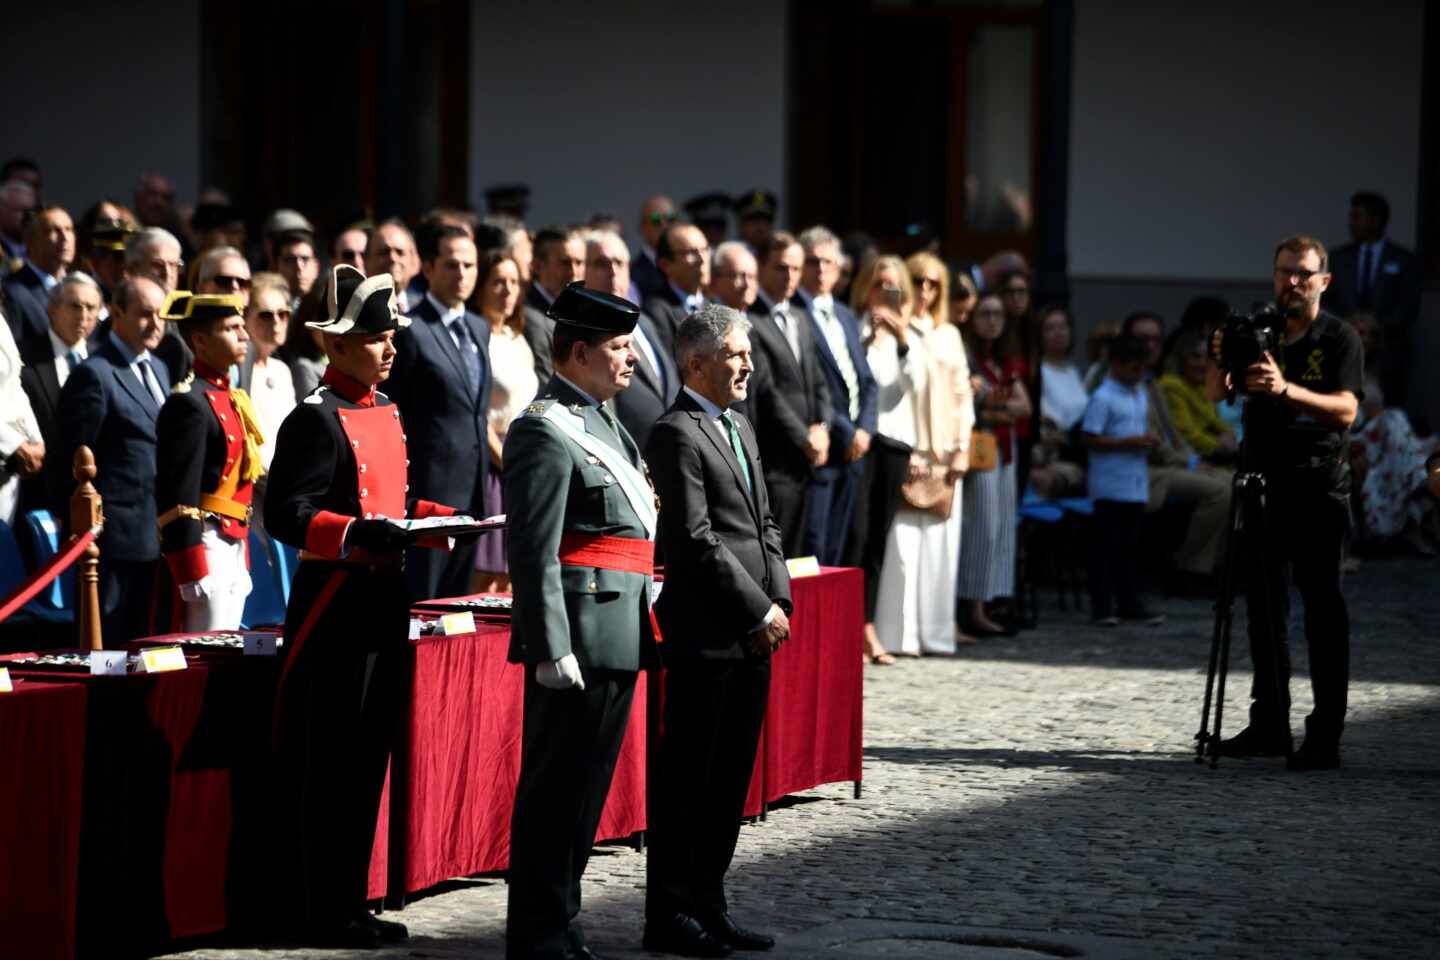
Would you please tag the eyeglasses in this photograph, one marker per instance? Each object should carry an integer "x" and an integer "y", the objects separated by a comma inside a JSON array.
[
  {"x": 926, "y": 282},
  {"x": 270, "y": 316},
  {"x": 1298, "y": 276},
  {"x": 657, "y": 219},
  {"x": 169, "y": 266},
  {"x": 231, "y": 283}
]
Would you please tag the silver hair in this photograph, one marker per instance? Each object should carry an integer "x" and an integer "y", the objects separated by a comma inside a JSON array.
[
  {"x": 74, "y": 278},
  {"x": 140, "y": 245},
  {"x": 728, "y": 248},
  {"x": 817, "y": 237},
  {"x": 595, "y": 238},
  {"x": 705, "y": 330},
  {"x": 210, "y": 263}
]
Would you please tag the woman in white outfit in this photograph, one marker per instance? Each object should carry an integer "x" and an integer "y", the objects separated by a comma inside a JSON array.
[{"x": 915, "y": 612}]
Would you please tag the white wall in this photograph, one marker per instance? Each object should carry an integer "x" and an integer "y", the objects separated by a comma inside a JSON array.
[
  {"x": 1202, "y": 133},
  {"x": 98, "y": 92},
  {"x": 597, "y": 106}
]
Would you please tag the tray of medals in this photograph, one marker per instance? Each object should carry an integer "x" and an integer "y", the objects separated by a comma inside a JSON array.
[
  {"x": 223, "y": 642},
  {"x": 489, "y": 609},
  {"x": 51, "y": 663}
]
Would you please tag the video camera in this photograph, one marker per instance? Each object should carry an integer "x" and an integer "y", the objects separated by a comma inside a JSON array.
[{"x": 1246, "y": 338}]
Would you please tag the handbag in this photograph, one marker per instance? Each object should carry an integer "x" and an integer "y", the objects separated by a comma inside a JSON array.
[
  {"x": 984, "y": 451},
  {"x": 930, "y": 493}
]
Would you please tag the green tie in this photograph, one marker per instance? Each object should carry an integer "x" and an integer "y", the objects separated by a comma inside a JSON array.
[{"x": 738, "y": 448}]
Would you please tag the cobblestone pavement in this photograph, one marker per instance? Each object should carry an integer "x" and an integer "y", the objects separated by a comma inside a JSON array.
[{"x": 1045, "y": 785}]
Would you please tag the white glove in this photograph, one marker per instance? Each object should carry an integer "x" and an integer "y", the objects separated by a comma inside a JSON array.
[{"x": 560, "y": 674}]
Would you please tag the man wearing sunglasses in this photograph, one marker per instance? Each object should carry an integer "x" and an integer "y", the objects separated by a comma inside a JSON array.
[
  {"x": 656, "y": 214},
  {"x": 223, "y": 271}
]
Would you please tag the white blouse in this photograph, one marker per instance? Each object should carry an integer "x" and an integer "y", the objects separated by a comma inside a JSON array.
[
  {"x": 512, "y": 374},
  {"x": 272, "y": 391},
  {"x": 1062, "y": 394},
  {"x": 897, "y": 379}
]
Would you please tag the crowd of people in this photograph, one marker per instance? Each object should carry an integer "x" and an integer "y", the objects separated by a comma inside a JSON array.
[{"x": 903, "y": 407}]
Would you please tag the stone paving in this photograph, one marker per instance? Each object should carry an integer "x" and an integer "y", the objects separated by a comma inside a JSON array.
[{"x": 1038, "y": 795}]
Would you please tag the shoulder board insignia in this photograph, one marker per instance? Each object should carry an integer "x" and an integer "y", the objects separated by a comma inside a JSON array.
[
  {"x": 184, "y": 386},
  {"x": 577, "y": 408},
  {"x": 537, "y": 408}
]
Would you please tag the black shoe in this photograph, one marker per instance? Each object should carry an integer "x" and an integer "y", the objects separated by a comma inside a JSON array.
[
  {"x": 352, "y": 934},
  {"x": 1251, "y": 743},
  {"x": 388, "y": 930},
  {"x": 1313, "y": 756},
  {"x": 682, "y": 934},
  {"x": 722, "y": 928},
  {"x": 1140, "y": 615}
]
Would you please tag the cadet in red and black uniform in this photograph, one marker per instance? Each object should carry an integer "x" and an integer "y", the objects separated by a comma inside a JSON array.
[
  {"x": 338, "y": 472},
  {"x": 207, "y": 459}
]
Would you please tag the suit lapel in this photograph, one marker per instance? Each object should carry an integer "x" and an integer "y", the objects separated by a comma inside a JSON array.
[
  {"x": 125, "y": 376},
  {"x": 446, "y": 343},
  {"x": 722, "y": 447}
]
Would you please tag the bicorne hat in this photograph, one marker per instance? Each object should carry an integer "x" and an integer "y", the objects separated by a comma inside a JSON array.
[{"x": 355, "y": 303}]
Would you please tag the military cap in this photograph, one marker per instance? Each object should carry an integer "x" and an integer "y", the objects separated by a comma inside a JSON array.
[
  {"x": 709, "y": 208},
  {"x": 355, "y": 303},
  {"x": 286, "y": 220},
  {"x": 513, "y": 198},
  {"x": 753, "y": 204},
  {"x": 593, "y": 310},
  {"x": 183, "y": 305},
  {"x": 111, "y": 234}
]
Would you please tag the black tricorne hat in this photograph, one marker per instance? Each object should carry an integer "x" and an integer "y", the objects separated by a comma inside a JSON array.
[
  {"x": 355, "y": 303},
  {"x": 593, "y": 310}
]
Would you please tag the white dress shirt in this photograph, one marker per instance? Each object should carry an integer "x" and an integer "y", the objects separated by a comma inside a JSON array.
[
  {"x": 62, "y": 355},
  {"x": 139, "y": 364}
]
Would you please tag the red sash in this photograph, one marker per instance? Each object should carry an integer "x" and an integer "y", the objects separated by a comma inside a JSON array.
[{"x": 608, "y": 553}]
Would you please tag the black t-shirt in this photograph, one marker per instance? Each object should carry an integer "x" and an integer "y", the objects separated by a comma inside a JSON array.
[{"x": 1294, "y": 450}]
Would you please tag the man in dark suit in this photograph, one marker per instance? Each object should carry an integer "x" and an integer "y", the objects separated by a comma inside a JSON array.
[
  {"x": 50, "y": 249},
  {"x": 1374, "y": 273},
  {"x": 441, "y": 383},
  {"x": 723, "y": 611},
  {"x": 656, "y": 381},
  {"x": 74, "y": 309},
  {"x": 792, "y": 409},
  {"x": 110, "y": 404},
  {"x": 853, "y": 410},
  {"x": 656, "y": 215},
  {"x": 684, "y": 258},
  {"x": 559, "y": 260},
  {"x": 581, "y": 550}
]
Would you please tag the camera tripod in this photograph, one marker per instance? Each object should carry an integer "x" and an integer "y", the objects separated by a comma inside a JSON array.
[{"x": 1247, "y": 525}]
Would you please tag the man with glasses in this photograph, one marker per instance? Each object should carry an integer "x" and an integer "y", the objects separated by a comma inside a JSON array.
[
  {"x": 683, "y": 254},
  {"x": 1301, "y": 405},
  {"x": 349, "y": 248},
  {"x": 295, "y": 260},
  {"x": 223, "y": 270},
  {"x": 155, "y": 254},
  {"x": 853, "y": 406},
  {"x": 656, "y": 214}
]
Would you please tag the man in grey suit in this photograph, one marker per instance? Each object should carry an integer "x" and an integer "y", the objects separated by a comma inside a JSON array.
[
  {"x": 581, "y": 554},
  {"x": 656, "y": 381},
  {"x": 559, "y": 260},
  {"x": 1374, "y": 273},
  {"x": 723, "y": 611}
]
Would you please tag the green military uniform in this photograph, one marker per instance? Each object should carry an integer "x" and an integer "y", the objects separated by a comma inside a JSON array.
[{"x": 581, "y": 526}]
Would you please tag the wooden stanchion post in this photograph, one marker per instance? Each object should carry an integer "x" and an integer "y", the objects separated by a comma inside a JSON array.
[{"x": 86, "y": 510}]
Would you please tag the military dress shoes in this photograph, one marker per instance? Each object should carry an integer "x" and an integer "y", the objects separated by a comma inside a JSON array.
[
  {"x": 387, "y": 930},
  {"x": 722, "y": 928},
  {"x": 682, "y": 934},
  {"x": 1253, "y": 743},
  {"x": 1314, "y": 756}
]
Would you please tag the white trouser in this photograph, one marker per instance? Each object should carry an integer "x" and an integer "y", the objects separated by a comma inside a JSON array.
[{"x": 217, "y": 600}]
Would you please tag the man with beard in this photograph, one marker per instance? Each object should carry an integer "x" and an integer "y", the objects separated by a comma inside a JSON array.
[{"x": 1301, "y": 405}]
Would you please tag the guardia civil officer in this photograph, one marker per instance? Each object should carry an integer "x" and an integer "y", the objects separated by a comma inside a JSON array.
[
  {"x": 337, "y": 474},
  {"x": 581, "y": 520},
  {"x": 207, "y": 459},
  {"x": 1302, "y": 404}
]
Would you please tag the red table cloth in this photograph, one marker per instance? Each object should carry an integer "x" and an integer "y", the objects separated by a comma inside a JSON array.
[
  {"x": 42, "y": 743},
  {"x": 459, "y": 762}
]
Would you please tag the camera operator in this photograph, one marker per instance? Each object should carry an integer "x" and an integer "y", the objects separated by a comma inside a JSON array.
[{"x": 1302, "y": 403}]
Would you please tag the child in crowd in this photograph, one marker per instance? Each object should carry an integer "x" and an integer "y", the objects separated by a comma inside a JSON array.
[{"x": 1114, "y": 432}]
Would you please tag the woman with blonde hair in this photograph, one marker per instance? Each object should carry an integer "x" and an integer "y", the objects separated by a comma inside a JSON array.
[
  {"x": 883, "y": 298},
  {"x": 915, "y": 612}
]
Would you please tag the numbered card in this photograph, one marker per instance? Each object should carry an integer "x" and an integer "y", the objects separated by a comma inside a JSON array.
[
  {"x": 260, "y": 644},
  {"x": 108, "y": 663},
  {"x": 162, "y": 659},
  {"x": 457, "y": 623},
  {"x": 5, "y": 685},
  {"x": 802, "y": 567}
]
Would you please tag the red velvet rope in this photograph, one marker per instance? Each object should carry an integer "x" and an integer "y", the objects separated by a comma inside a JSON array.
[{"x": 41, "y": 578}]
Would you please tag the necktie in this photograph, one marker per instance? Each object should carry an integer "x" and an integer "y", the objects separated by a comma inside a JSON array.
[
  {"x": 787, "y": 327},
  {"x": 152, "y": 382},
  {"x": 1362, "y": 287},
  {"x": 74, "y": 359},
  {"x": 835, "y": 337},
  {"x": 468, "y": 354},
  {"x": 739, "y": 448}
]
